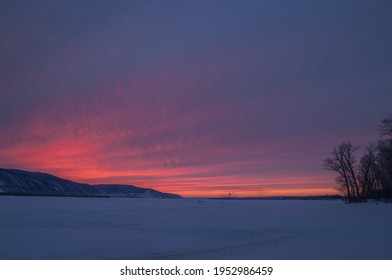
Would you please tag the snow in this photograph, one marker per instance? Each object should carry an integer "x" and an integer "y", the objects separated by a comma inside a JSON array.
[{"x": 124, "y": 228}]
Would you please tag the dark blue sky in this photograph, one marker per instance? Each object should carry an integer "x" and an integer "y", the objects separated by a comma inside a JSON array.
[{"x": 193, "y": 97}]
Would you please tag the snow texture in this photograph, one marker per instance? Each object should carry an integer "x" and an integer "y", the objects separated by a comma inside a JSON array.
[{"x": 126, "y": 228}]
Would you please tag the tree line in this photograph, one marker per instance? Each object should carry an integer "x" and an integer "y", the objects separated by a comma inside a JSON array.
[{"x": 371, "y": 176}]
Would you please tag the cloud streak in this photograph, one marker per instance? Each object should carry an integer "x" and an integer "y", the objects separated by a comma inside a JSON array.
[{"x": 202, "y": 99}]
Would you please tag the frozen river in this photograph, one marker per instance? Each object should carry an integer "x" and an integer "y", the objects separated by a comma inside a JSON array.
[{"x": 120, "y": 228}]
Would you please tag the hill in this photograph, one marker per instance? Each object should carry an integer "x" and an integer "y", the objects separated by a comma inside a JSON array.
[{"x": 19, "y": 182}]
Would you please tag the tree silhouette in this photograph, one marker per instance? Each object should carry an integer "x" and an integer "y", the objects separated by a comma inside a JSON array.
[
  {"x": 385, "y": 157},
  {"x": 385, "y": 127},
  {"x": 372, "y": 176},
  {"x": 343, "y": 162}
]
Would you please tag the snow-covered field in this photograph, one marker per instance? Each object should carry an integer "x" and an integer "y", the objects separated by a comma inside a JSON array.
[{"x": 121, "y": 228}]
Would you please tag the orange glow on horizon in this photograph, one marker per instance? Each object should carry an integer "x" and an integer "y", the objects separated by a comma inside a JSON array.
[
  {"x": 74, "y": 163},
  {"x": 259, "y": 193},
  {"x": 215, "y": 186}
]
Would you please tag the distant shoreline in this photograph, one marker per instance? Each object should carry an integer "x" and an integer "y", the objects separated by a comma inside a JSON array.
[
  {"x": 316, "y": 197},
  {"x": 48, "y": 195},
  {"x": 319, "y": 197}
]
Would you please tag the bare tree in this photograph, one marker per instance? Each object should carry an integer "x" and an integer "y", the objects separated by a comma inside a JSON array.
[
  {"x": 385, "y": 157},
  {"x": 372, "y": 176},
  {"x": 369, "y": 174},
  {"x": 343, "y": 162},
  {"x": 385, "y": 127}
]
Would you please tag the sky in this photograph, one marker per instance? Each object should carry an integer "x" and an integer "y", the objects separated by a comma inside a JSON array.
[{"x": 199, "y": 98}]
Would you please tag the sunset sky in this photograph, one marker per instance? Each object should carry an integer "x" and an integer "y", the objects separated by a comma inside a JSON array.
[{"x": 198, "y": 98}]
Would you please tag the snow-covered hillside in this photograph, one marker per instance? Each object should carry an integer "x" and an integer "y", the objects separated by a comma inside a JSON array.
[
  {"x": 117, "y": 228},
  {"x": 19, "y": 182}
]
